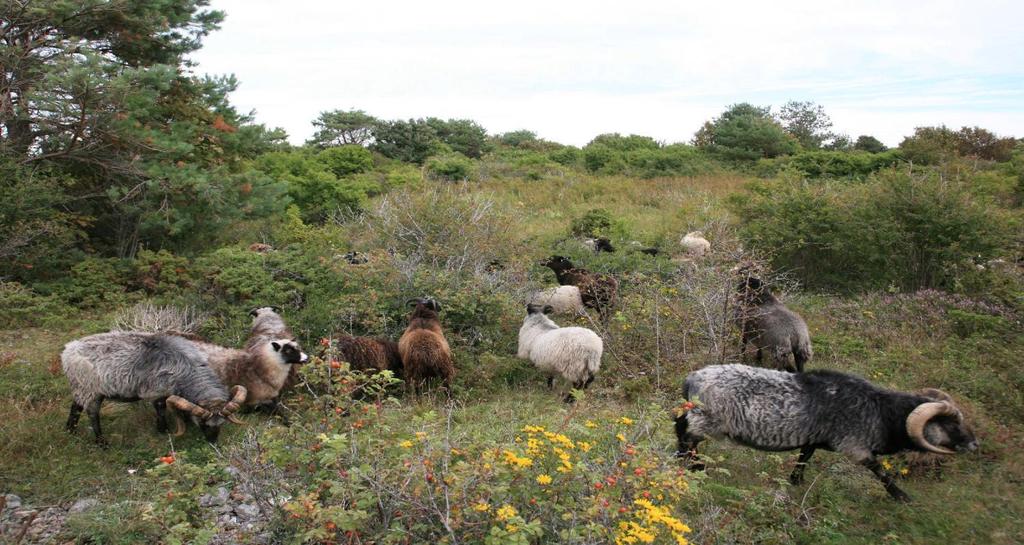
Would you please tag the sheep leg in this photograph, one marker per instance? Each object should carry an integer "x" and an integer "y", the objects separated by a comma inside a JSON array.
[
  {"x": 94, "y": 420},
  {"x": 687, "y": 444},
  {"x": 797, "y": 476},
  {"x": 887, "y": 480},
  {"x": 551, "y": 381},
  {"x": 73, "y": 416},
  {"x": 590, "y": 379},
  {"x": 800, "y": 358},
  {"x": 160, "y": 405}
]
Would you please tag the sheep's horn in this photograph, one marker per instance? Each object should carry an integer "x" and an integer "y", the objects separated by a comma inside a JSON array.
[
  {"x": 936, "y": 394},
  {"x": 238, "y": 393},
  {"x": 189, "y": 407},
  {"x": 414, "y": 301},
  {"x": 179, "y": 424},
  {"x": 234, "y": 419},
  {"x": 921, "y": 415}
]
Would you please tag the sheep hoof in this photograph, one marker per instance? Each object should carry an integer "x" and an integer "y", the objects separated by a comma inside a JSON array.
[
  {"x": 899, "y": 495},
  {"x": 102, "y": 443}
]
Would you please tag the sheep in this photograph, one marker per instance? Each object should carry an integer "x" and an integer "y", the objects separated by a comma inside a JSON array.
[
  {"x": 776, "y": 411},
  {"x": 267, "y": 325},
  {"x": 563, "y": 299},
  {"x": 572, "y": 352},
  {"x": 423, "y": 348},
  {"x": 694, "y": 244},
  {"x": 356, "y": 258},
  {"x": 161, "y": 368},
  {"x": 599, "y": 244},
  {"x": 598, "y": 291},
  {"x": 768, "y": 325},
  {"x": 368, "y": 354}
]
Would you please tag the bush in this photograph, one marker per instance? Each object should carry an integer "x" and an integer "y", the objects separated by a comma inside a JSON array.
[
  {"x": 840, "y": 164},
  {"x": 595, "y": 223},
  {"x": 896, "y": 230},
  {"x": 22, "y": 306},
  {"x": 345, "y": 160},
  {"x": 452, "y": 167}
]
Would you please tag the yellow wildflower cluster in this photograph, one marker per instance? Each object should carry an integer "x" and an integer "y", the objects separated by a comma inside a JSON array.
[
  {"x": 543, "y": 479},
  {"x": 421, "y": 435},
  {"x": 517, "y": 461},
  {"x": 481, "y": 507},
  {"x": 505, "y": 512},
  {"x": 406, "y": 444},
  {"x": 653, "y": 514},
  {"x": 590, "y": 424},
  {"x": 584, "y": 446},
  {"x": 630, "y": 532},
  {"x": 565, "y": 460}
]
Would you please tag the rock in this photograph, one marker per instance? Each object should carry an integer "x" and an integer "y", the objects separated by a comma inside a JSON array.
[
  {"x": 12, "y": 501},
  {"x": 247, "y": 511},
  {"x": 83, "y": 505},
  {"x": 218, "y": 498}
]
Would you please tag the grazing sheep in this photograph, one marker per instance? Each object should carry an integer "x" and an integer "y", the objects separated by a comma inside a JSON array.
[
  {"x": 563, "y": 299},
  {"x": 775, "y": 411},
  {"x": 598, "y": 291},
  {"x": 156, "y": 367},
  {"x": 599, "y": 244},
  {"x": 423, "y": 348},
  {"x": 572, "y": 352},
  {"x": 368, "y": 354},
  {"x": 694, "y": 244},
  {"x": 769, "y": 326}
]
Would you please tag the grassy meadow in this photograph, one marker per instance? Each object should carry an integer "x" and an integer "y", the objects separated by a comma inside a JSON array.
[{"x": 355, "y": 470}]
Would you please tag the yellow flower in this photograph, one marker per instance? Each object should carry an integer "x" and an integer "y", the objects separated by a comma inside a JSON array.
[
  {"x": 406, "y": 444},
  {"x": 590, "y": 424},
  {"x": 487, "y": 466},
  {"x": 620, "y": 437},
  {"x": 421, "y": 435},
  {"x": 584, "y": 446},
  {"x": 886, "y": 465},
  {"x": 533, "y": 429},
  {"x": 543, "y": 479},
  {"x": 626, "y": 421},
  {"x": 505, "y": 512},
  {"x": 481, "y": 507},
  {"x": 511, "y": 528},
  {"x": 904, "y": 471}
]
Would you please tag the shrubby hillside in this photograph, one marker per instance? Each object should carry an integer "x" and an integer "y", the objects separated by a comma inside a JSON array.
[{"x": 129, "y": 179}]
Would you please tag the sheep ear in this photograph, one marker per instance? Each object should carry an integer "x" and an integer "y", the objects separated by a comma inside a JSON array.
[
  {"x": 254, "y": 312},
  {"x": 276, "y": 345},
  {"x": 276, "y": 309},
  {"x": 548, "y": 309}
]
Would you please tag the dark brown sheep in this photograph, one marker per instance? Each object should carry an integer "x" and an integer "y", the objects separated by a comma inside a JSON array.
[
  {"x": 598, "y": 291},
  {"x": 424, "y": 350},
  {"x": 368, "y": 354}
]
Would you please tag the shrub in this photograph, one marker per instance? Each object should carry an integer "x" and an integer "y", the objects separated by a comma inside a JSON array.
[
  {"x": 840, "y": 164},
  {"x": 451, "y": 167},
  {"x": 345, "y": 160},
  {"x": 22, "y": 306},
  {"x": 595, "y": 223}
]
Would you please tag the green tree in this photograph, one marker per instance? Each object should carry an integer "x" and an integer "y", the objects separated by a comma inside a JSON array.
[
  {"x": 411, "y": 141},
  {"x": 517, "y": 138},
  {"x": 341, "y": 128},
  {"x": 746, "y": 132},
  {"x": 869, "y": 143},
  {"x": 983, "y": 144},
  {"x": 344, "y": 160},
  {"x": 930, "y": 145},
  {"x": 808, "y": 122},
  {"x": 464, "y": 136}
]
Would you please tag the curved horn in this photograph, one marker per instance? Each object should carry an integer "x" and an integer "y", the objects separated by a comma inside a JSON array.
[
  {"x": 254, "y": 312},
  {"x": 189, "y": 407},
  {"x": 920, "y": 416},
  {"x": 179, "y": 424},
  {"x": 414, "y": 301},
  {"x": 238, "y": 394}
]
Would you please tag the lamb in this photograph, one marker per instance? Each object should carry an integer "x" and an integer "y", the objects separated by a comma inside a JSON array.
[
  {"x": 775, "y": 411},
  {"x": 161, "y": 368},
  {"x": 423, "y": 348},
  {"x": 574, "y": 353},
  {"x": 598, "y": 291},
  {"x": 563, "y": 299},
  {"x": 769, "y": 326},
  {"x": 694, "y": 244}
]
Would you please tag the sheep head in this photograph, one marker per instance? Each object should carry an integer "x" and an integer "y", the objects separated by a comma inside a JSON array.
[
  {"x": 557, "y": 263},
  {"x": 939, "y": 427}
]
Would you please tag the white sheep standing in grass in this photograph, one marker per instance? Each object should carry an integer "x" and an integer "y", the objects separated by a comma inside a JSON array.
[
  {"x": 572, "y": 352},
  {"x": 695, "y": 244},
  {"x": 563, "y": 299}
]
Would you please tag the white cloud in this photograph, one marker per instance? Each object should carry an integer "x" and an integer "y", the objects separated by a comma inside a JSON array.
[{"x": 572, "y": 70}]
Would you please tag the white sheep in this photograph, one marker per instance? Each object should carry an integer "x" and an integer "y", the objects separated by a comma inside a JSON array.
[
  {"x": 572, "y": 352},
  {"x": 695, "y": 244},
  {"x": 563, "y": 299}
]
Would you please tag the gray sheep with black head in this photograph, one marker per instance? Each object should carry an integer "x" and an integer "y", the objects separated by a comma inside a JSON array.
[
  {"x": 163, "y": 369},
  {"x": 767, "y": 325},
  {"x": 777, "y": 411}
]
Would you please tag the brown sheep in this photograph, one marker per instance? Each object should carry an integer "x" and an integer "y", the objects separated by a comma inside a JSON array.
[
  {"x": 598, "y": 291},
  {"x": 368, "y": 354},
  {"x": 423, "y": 348},
  {"x": 267, "y": 324}
]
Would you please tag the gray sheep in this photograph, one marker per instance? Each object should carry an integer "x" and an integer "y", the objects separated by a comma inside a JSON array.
[
  {"x": 775, "y": 411},
  {"x": 769, "y": 326},
  {"x": 155, "y": 367}
]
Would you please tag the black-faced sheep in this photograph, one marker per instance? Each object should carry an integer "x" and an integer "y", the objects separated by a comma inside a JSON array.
[
  {"x": 599, "y": 244},
  {"x": 574, "y": 353},
  {"x": 424, "y": 350},
  {"x": 155, "y": 367},
  {"x": 563, "y": 299},
  {"x": 777, "y": 411},
  {"x": 768, "y": 325},
  {"x": 598, "y": 291},
  {"x": 268, "y": 325},
  {"x": 694, "y": 244}
]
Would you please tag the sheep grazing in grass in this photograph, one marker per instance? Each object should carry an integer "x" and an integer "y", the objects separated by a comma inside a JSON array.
[
  {"x": 767, "y": 325},
  {"x": 563, "y": 299},
  {"x": 775, "y": 411},
  {"x": 368, "y": 354},
  {"x": 574, "y": 353},
  {"x": 164, "y": 369},
  {"x": 424, "y": 350},
  {"x": 694, "y": 244},
  {"x": 598, "y": 291},
  {"x": 599, "y": 244}
]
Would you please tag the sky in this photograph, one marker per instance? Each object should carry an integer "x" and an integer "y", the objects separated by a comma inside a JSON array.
[{"x": 571, "y": 70}]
